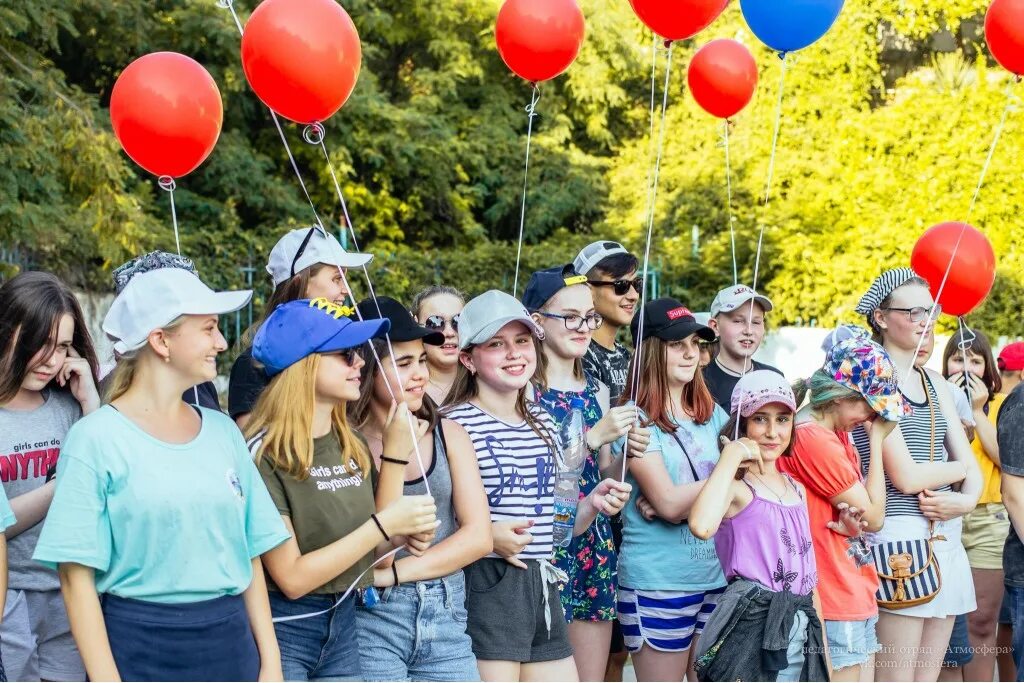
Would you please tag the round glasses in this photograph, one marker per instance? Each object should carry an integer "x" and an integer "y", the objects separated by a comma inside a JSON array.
[{"x": 575, "y": 322}]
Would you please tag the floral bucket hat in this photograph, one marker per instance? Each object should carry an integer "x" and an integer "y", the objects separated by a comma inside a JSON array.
[{"x": 864, "y": 366}]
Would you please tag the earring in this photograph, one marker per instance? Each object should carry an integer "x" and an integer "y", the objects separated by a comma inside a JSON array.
[{"x": 167, "y": 358}]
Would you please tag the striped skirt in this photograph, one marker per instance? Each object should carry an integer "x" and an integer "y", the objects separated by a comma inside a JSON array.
[{"x": 664, "y": 620}]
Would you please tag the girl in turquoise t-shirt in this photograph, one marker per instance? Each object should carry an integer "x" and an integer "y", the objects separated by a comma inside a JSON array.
[
  {"x": 669, "y": 580},
  {"x": 159, "y": 516}
]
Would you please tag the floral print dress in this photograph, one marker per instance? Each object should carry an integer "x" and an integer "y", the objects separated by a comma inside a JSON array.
[{"x": 590, "y": 558}]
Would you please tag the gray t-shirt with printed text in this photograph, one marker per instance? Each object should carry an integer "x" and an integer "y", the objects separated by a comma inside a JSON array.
[{"x": 30, "y": 443}]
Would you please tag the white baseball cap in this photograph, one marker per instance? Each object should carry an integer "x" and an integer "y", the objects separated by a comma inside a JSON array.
[
  {"x": 485, "y": 315},
  {"x": 157, "y": 298},
  {"x": 731, "y": 298},
  {"x": 304, "y": 247},
  {"x": 594, "y": 253}
]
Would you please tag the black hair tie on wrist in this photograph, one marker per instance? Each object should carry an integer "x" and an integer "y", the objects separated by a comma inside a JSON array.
[
  {"x": 381, "y": 527},
  {"x": 396, "y": 461}
]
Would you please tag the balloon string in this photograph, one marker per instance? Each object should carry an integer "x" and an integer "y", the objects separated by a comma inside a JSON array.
[
  {"x": 167, "y": 184},
  {"x": 314, "y": 134},
  {"x": 992, "y": 149},
  {"x": 748, "y": 360},
  {"x": 771, "y": 163},
  {"x": 230, "y": 5},
  {"x": 967, "y": 337},
  {"x": 380, "y": 366},
  {"x": 932, "y": 314},
  {"x": 344, "y": 596},
  {"x": 319, "y": 130},
  {"x": 531, "y": 110},
  {"x": 652, "y": 202},
  {"x": 728, "y": 206},
  {"x": 651, "y": 152}
]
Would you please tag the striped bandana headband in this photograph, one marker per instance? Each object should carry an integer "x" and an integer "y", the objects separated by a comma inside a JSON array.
[{"x": 882, "y": 287}]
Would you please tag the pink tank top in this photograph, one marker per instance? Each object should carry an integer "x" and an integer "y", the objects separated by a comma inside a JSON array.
[{"x": 770, "y": 543}]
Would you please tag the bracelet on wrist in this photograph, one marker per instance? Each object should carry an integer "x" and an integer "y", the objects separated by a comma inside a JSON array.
[
  {"x": 394, "y": 461},
  {"x": 380, "y": 527}
]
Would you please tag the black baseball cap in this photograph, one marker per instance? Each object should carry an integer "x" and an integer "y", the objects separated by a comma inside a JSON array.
[
  {"x": 668, "y": 319},
  {"x": 544, "y": 284},
  {"x": 403, "y": 326}
]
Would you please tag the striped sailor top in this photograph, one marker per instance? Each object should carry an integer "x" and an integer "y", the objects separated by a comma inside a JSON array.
[
  {"x": 518, "y": 471},
  {"x": 917, "y": 432}
]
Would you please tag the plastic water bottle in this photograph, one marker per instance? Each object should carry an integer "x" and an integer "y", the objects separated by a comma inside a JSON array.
[{"x": 571, "y": 459}]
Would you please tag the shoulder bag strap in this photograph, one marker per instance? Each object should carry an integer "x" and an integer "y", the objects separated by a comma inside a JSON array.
[{"x": 693, "y": 470}]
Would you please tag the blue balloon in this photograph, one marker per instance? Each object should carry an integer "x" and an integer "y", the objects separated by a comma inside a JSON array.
[{"x": 788, "y": 25}]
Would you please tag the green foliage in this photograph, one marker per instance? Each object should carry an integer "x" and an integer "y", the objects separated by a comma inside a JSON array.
[{"x": 880, "y": 137}]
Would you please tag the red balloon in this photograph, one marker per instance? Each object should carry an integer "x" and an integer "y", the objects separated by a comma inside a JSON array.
[
  {"x": 1004, "y": 32},
  {"x": 166, "y": 112},
  {"x": 301, "y": 57},
  {"x": 678, "y": 19},
  {"x": 973, "y": 270},
  {"x": 539, "y": 39},
  {"x": 722, "y": 77}
]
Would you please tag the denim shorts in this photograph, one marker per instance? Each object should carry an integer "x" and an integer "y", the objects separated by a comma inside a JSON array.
[
  {"x": 418, "y": 632},
  {"x": 851, "y": 643},
  {"x": 320, "y": 648}
]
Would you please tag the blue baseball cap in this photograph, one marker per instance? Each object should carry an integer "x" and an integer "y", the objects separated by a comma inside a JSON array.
[
  {"x": 303, "y": 327},
  {"x": 544, "y": 284}
]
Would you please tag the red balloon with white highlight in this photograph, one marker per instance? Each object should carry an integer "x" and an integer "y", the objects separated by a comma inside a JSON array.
[
  {"x": 167, "y": 113},
  {"x": 1004, "y": 33},
  {"x": 722, "y": 77},
  {"x": 972, "y": 268},
  {"x": 301, "y": 57},
  {"x": 539, "y": 39}
]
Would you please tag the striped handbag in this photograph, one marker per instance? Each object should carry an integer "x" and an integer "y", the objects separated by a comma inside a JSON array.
[{"x": 908, "y": 571}]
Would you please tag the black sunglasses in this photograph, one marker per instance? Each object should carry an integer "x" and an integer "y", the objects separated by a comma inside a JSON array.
[
  {"x": 437, "y": 322},
  {"x": 350, "y": 355},
  {"x": 302, "y": 247},
  {"x": 621, "y": 286}
]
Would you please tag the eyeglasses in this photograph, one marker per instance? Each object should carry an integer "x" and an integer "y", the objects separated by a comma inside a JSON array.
[
  {"x": 621, "y": 286},
  {"x": 437, "y": 322},
  {"x": 576, "y": 322},
  {"x": 351, "y": 355},
  {"x": 919, "y": 313},
  {"x": 302, "y": 247}
]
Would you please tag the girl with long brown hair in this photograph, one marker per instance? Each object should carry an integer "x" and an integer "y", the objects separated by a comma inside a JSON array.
[
  {"x": 987, "y": 526},
  {"x": 669, "y": 580},
  {"x": 321, "y": 477},
  {"x": 47, "y": 382}
]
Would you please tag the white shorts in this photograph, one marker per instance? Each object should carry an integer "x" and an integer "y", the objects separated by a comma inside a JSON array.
[
  {"x": 957, "y": 593},
  {"x": 665, "y": 620}
]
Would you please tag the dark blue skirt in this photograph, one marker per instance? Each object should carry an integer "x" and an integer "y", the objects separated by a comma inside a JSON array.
[{"x": 196, "y": 641}]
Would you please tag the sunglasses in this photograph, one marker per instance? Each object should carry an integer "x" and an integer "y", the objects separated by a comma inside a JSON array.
[
  {"x": 437, "y": 322},
  {"x": 350, "y": 355},
  {"x": 302, "y": 247},
  {"x": 620, "y": 287}
]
